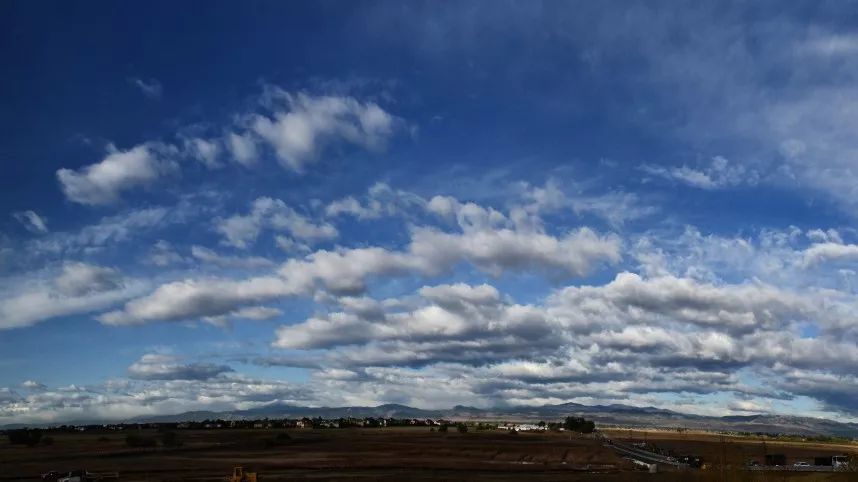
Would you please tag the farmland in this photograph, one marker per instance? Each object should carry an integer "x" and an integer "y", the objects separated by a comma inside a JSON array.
[{"x": 393, "y": 454}]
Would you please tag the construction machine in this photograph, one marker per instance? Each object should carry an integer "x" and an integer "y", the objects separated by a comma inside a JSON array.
[{"x": 242, "y": 474}]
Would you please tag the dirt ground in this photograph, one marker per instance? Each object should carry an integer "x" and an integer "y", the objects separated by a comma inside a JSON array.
[{"x": 389, "y": 454}]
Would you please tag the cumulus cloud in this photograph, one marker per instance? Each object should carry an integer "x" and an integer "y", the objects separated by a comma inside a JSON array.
[
  {"x": 241, "y": 231},
  {"x": 452, "y": 312},
  {"x": 299, "y": 128},
  {"x": 81, "y": 278},
  {"x": 154, "y": 366},
  {"x": 33, "y": 385},
  {"x": 306, "y": 124},
  {"x": 629, "y": 312},
  {"x": 823, "y": 252},
  {"x": 731, "y": 307},
  {"x": 162, "y": 254},
  {"x": 207, "y": 151},
  {"x": 79, "y": 288},
  {"x": 631, "y": 336},
  {"x": 380, "y": 200},
  {"x": 121, "y": 399},
  {"x": 103, "y": 182},
  {"x": 32, "y": 221},
  {"x": 495, "y": 251},
  {"x": 430, "y": 252},
  {"x": 193, "y": 299},
  {"x": 243, "y": 148}
]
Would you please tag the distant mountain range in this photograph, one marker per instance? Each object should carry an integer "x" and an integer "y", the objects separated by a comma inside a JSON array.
[{"x": 615, "y": 414}]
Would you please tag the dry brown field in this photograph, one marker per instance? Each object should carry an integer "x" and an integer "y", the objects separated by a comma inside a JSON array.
[{"x": 392, "y": 454}]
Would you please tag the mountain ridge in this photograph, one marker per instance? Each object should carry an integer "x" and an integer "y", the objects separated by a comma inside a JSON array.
[{"x": 614, "y": 414}]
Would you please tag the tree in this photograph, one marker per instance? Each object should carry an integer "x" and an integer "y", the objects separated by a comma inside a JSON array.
[
  {"x": 461, "y": 427},
  {"x": 443, "y": 428},
  {"x": 24, "y": 436},
  {"x": 579, "y": 424}
]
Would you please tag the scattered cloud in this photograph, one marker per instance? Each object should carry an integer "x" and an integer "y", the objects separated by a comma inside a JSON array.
[
  {"x": 150, "y": 88},
  {"x": 80, "y": 288},
  {"x": 241, "y": 231},
  {"x": 243, "y": 149},
  {"x": 302, "y": 125},
  {"x": 79, "y": 279},
  {"x": 209, "y": 256},
  {"x": 207, "y": 152},
  {"x": 103, "y": 182},
  {"x": 154, "y": 366},
  {"x": 32, "y": 221},
  {"x": 823, "y": 252},
  {"x": 719, "y": 174}
]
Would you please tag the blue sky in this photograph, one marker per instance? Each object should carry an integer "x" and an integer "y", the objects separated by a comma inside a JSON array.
[{"x": 227, "y": 205}]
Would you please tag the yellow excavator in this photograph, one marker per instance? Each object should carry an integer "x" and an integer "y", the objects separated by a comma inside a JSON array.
[{"x": 242, "y": 474}]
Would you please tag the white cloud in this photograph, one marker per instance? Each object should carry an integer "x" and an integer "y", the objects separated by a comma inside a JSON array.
[
  {"x": 102, "y": 182},
  {"x": 33, "y": 385},
  {"x": 195, "y": 299},
  {"x": 347, "y": 271},
  {"x": 719, "y": 174},
  {"x": 154, "y": 366},
  {"x": 430, "y": 252},
  {"x": 206, "y": 151},
  {"x": 151, "y": 88},
  {"x": 32, "y": 221},
  {"x": 300, "y": 133},
  {"x": 209, "y": 256},
  {"x": 616, "y": 207},
  {"x": 257, "y": 313},
  {"x": 380, "y": 200},
  {"x": 79, "y": 279},
  {"x": 241, "y": 231},
  {"x": 741, "y": 307},
  {"x": 80, "y": 288},
  {"x": 242, "y": 148},
  {"x": 822, "y": 252},
  {"x": 289, "y": 245},
  {"x": 498, "y": 250},
  {"x": 162, "y": 254},
  {"x": 122, "y": 399}
]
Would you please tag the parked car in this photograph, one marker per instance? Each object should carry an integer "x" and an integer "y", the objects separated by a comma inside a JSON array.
[{"x": 801, "y": 464}]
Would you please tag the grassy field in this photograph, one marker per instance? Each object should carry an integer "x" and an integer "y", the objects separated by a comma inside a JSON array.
[{"x": 391, "y": 454}]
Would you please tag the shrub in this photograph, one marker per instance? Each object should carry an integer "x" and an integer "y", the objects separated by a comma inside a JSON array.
[
  {"x": 47, "y": 440},
  {"x": 443, "y": 428},
  {"x": 462, "y": 428}
]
